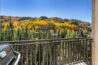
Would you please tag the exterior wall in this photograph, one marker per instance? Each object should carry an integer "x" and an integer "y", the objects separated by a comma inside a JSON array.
[{"x": 95, "y": 32}]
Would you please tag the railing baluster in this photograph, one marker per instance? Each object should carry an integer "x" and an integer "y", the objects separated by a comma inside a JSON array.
[
  {"x": 73, "y": 51},
  {"x": 68, "y": 52},
  {"x": 90, "y": 56},
  {"x": 22, "y": 56},
  {"x": 78, "y": 50}
]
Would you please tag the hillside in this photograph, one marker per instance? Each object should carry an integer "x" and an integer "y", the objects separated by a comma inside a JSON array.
[{"x": 22, "y": 28}]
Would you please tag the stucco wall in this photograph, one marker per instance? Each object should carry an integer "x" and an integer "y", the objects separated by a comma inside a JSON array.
[{"x": 95, "y": 33}]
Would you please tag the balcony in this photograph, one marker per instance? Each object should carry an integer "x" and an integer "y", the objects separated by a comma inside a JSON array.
[{"x": 69, "y": 51}]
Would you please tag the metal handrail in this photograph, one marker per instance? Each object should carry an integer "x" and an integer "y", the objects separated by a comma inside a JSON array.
[{"x": 41, "y": 40}]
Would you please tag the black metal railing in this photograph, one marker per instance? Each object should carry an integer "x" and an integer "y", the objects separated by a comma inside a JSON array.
[{"x": 54, "y": 52}]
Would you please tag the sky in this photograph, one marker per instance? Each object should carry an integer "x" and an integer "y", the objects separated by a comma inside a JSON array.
[{"x": 70, "y": 9}]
